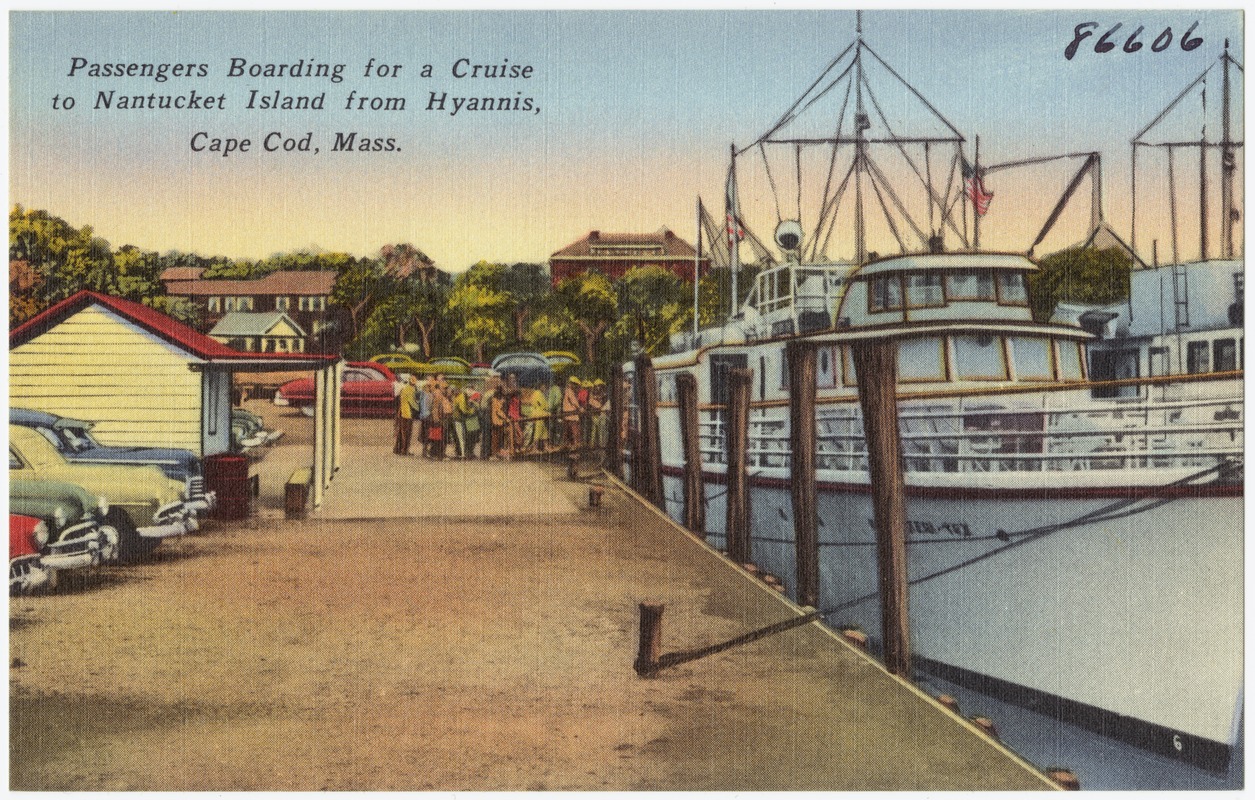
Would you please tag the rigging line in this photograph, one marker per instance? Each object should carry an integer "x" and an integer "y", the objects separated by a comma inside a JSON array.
[
  {"x": 1171, "y": 105},
  {"x": 901, "y": 147},
  {"x": 798, "y": 162},
  {"x": 928, "y": 170},
  {"x": 1028, "y": 162},
  {"x": 921, "y": 97},
  {"x": 1172, "y": 207},
  {"x": 814, "y": 100},
  {"x": 896, "y": 201},
  {"x": 883, "y": 207},
  {"x": 775, "y": 194},
  {"x": 786, "y": 117},
  {"x": 836, "y": 204},
  {"x": 1033, "y": 534},
  {"x": 832, "y": 165}
]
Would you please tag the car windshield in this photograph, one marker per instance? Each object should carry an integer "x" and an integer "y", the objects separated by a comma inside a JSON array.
[
  {"x": 363, "y": 374},
  {"x": 53, "y": 439},
  {"x": 520, "y": 361},
  {"x": 79, "y": 439}
]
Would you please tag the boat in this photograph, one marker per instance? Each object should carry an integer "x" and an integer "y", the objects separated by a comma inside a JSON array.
[{"x": 1074, "y": 486}]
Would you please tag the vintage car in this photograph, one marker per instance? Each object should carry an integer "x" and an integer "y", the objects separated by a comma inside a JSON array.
[
  {"x": 366, "y": 391},
  {"x": 74, "y": 440},
  {"x": 144, "y": 505},
  {"x": 78, "y": 534},
  {"x": 27, "y": 536},
  {"x": 249, "y": 430},
  {"x": 530, "y": 369},
  {"x": 399, "y": 363},
  {"x": 562, "y": 362}
]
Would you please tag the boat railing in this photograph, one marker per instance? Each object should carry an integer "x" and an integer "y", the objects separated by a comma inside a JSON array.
[{"x": 1003, "y": 439}]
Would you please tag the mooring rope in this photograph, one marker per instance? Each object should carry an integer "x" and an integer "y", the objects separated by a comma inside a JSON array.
[{"x": 1116, "y": 510}]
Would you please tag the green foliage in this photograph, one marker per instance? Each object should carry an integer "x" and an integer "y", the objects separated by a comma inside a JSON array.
[
  {"x": 66, "y": 259},
  {"x": 481, "y": 308},
  {"x": 653, "y": 304},
  {"x": 589, "y": 304},
  {"x": 1079, "y": 275}
]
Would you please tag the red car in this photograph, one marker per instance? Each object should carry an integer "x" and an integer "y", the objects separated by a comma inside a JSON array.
[
  {"x": 27, "y": 537},
  {"x": 366, "y": 391}
]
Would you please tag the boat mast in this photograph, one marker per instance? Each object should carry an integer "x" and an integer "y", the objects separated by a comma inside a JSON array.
[
  {"x": 1202, "y": 183},
  {"x": 976, "y": 213},
  {"x": 733, "y": 229},
  {"x": 861, "y": 124},
  {"x": 1228, "y": 163}
]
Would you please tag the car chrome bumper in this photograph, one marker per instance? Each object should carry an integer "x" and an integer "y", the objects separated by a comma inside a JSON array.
[
  {"x": 174, "y": 519},
  {"x": 83, "y": 545},
  {"x": 204, "y": 502},
  {"x": 27, "y": 574}
]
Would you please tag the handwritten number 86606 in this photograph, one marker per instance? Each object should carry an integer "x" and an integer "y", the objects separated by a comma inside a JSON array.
[{"x": 1131, "y": 45}]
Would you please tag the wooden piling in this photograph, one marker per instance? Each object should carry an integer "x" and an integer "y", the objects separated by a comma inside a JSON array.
[
  {"x": 690, "y": 433},
  {"x": 650, "y": 461},
  {"x": 618, "y": 404},
  {"x": 649, "y": 649},
  {"x": 740, "y": 382},
  {"x": 802, "y": 434},
  {"x": 876, "y": 366}
]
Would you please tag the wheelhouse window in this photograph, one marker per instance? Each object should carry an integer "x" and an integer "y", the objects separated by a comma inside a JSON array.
[
  {"x": 970, "y": 286},
  {"x": 1011, "y": 289},
  {"x": 1070, "y": 362},
  {"x": 979, "y": 358},
  {"x": 1157, "y": 361},
  {"x": 1032, "y": 358},
  {"x": 885, "y": 294},
  {"x": 924, "y": 291},
  {"x": 825, "y": 368},
  {"x": 1198, "y": 358},
  {"x": 922, "y": 360},
  {"x": 1225, "y": 355}
]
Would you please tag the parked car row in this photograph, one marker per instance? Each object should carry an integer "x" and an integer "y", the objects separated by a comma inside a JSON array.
[{"x": 76, "y": 503}]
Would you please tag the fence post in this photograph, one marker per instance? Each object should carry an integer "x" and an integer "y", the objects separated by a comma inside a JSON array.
[
  {"x": 802, "y": 378},
  {"x": 876, "y": 366},
  {"x": 650, "y": 485},
  {"x": 740, "y": 382},
  {"x": 690, "y": 433}
]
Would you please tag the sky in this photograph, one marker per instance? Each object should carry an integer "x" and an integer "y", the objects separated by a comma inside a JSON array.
[{"x": 632, "y": 116}]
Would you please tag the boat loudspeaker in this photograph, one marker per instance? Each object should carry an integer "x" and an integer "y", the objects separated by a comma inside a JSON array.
[{"x": 789, "y": 234}]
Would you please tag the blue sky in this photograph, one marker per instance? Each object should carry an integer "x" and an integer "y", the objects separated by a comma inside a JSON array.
[{"x": 637, "y": 110}]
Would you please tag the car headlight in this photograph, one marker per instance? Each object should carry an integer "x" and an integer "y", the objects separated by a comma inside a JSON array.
[
  {"x": 58, "y": 516},
  {"x": 102, "y": 505},
  {"x": 41, "y": 533}
]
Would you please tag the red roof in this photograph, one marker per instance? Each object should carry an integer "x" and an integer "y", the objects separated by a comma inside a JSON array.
[
  {"x": 283, "y": 282},
  {"x": 156, "y": 323},
  {"x": 660, "y": 245},
  {"x": 181, "y": 273}
]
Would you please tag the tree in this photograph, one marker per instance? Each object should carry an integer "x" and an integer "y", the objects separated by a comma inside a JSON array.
[
  {"x": 528, "y": 286},
  {"x": 361, "y": 284},
  {"x": 67, "y": 259},
  {"x": 1079, "y": 275},
  {"x": 653, "y": 304},
  {"x": 480, "y": 307},
  {"x": 587, "y": 301}
]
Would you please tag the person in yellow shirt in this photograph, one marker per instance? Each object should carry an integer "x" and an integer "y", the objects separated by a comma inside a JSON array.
[{"x": 407, "y": 406}]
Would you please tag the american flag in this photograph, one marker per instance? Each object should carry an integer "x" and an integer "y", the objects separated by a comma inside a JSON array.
[
  {"x": 974, "y": 182},
  {"x": 735, "y": 232}
]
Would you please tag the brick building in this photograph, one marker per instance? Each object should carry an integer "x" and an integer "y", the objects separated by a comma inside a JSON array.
[
  {"x": 303, "y": 295},
  {"x": 615, "y": 253}
]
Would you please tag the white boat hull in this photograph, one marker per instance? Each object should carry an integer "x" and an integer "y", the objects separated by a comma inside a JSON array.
[{"x": 1133, "y": 623}]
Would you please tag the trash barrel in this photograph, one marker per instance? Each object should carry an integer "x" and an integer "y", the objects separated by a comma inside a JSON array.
[{"x": 227, "y": 474}]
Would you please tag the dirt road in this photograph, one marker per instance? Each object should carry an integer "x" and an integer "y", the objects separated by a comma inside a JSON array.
[{"x": 394, "y": 655}]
